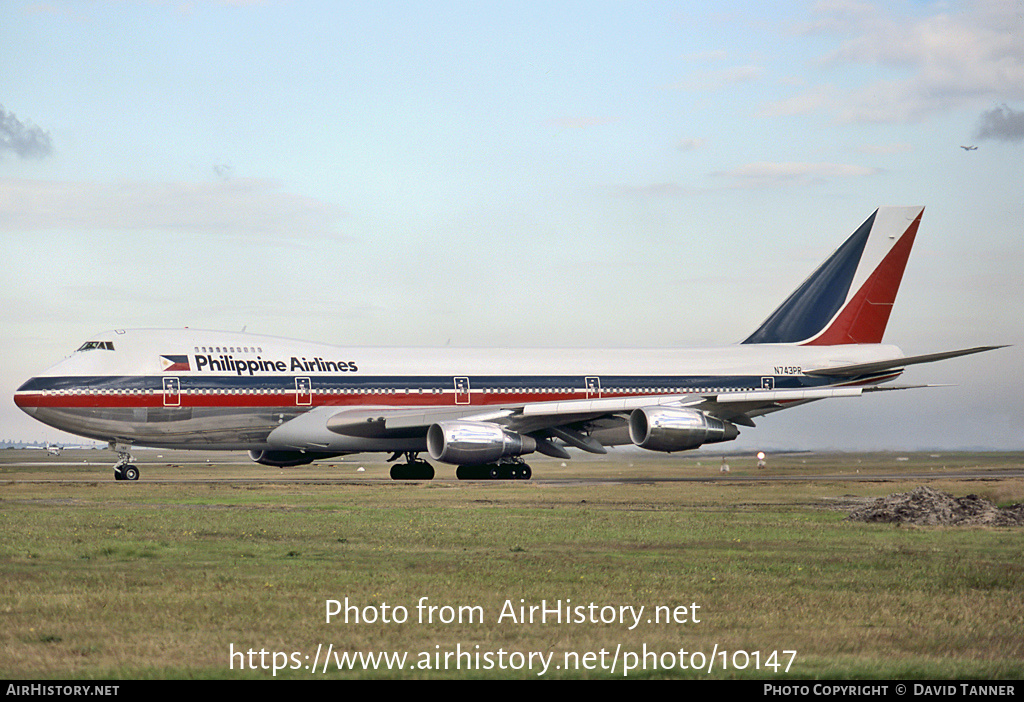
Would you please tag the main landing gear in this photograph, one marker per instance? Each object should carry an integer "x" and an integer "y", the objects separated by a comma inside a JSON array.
[
  {"x": 414, "y": 468},
  {"x": 124, "y": 469}
]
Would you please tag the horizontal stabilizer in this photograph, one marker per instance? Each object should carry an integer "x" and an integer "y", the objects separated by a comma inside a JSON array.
[{"x": 857, "y": 369}]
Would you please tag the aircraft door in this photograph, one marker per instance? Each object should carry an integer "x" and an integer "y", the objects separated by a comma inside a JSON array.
[
  {"x": 461, "y": 390},
  {"x": 768, "y": 383},
  {"x": 172, "y": 392},
  {"x": 593, "y": 387},
  {"x": 303, "y": 392}
]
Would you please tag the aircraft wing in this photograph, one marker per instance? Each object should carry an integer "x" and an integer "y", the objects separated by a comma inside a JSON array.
[
  {"x": 570, "y": 415},
  {"x": 740, "y": 407},
  {"x": 524, "y": 418},
  {"x": 731, "y": 406}
]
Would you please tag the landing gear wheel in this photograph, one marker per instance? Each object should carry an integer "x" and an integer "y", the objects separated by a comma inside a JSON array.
[
  {"x": 130, "y": 473},
  {"x": 413, "y": 470},
  {"x": 518, "y": 471},
  {"x": 469, "y": 473},
  {"x": 494, "y": 471}
]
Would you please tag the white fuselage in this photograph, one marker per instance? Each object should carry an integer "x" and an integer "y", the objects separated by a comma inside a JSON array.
[{"x": 196, "y": 389}]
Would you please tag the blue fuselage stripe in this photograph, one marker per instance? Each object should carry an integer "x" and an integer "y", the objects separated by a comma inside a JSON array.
[{"x": 616, "y": 384}]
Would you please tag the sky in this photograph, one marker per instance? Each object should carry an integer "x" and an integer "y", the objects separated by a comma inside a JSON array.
[{"x": 595, "y": 174}]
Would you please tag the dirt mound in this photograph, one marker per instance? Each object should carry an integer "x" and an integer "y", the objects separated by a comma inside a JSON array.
[{"x": 926, "y": 506}]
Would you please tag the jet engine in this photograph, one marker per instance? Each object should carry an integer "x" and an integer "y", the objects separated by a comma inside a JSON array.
[
  {"x": 677, "y": 429},
  {"x": 283, "y": 459},
  {"x": 475, "y": 443}
]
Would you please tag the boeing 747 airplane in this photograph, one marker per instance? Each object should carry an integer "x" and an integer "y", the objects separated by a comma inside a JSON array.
[{"x": 290, "y": 403}]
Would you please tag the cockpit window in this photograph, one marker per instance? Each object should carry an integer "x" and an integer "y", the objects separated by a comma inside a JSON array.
[{"x": 90, "y": 345}]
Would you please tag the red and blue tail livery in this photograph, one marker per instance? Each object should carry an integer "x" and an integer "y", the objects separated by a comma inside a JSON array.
[
  {"x": 847, "y": 300},
  {"x": 482, "y": 411}
]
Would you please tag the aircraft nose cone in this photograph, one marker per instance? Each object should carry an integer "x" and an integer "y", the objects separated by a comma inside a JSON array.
[{"x": 22, "y": 397}]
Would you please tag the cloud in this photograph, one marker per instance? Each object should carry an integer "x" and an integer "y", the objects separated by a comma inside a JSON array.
[
  {"x": 761, "y": 174},
  {"x": 24, "y": 140},
  {"x": 933, "y": 63},
  {"x": 685, "y": 145},
  {"x": 714, "y": 80},
  {"x": 655, "y": 190},
  {"x": 765, "y": 174},
  {"x": 236, "y": 206},
  {"x": 1001, "y": 124},
  {"x": 885, "y": 149}
]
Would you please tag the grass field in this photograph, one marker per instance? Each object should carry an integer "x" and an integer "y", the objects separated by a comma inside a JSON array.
[{"x": 164, "y": 579}]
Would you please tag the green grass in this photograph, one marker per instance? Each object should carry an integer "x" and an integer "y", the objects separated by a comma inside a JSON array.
[{"x": 158, "y": 580}]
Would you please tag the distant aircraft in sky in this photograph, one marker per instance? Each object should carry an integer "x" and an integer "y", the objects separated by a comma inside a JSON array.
[
  {"x": 969, "y": 148},
  {"x": 291, "y": 403}
]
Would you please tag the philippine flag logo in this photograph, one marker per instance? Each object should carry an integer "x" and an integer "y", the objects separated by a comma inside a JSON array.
[{"x": 175, "y": 363}]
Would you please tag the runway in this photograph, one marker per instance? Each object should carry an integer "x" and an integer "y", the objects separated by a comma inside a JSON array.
[
  {"x": 79, "y": 466},
  {"x": 595, "y": 479}
]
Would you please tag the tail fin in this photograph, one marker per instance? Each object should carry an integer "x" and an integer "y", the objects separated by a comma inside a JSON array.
[{"x": 847, "y": 300}]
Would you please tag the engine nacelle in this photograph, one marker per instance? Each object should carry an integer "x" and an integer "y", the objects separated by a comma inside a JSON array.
[
  {"x": 283, "y": 459},
  {"x": 677, "y": 429},
  {"x": 475, "y": 443}
]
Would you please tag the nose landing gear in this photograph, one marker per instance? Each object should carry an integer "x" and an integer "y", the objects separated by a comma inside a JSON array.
[{"x": 124, "y": 469}]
